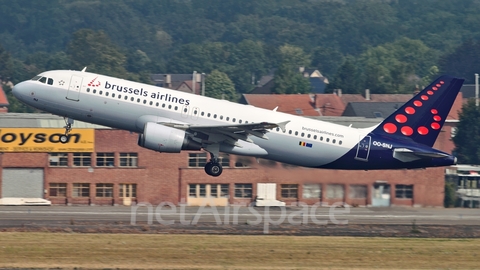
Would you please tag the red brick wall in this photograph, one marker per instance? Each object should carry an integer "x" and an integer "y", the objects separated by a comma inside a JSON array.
[{"x": 163, "y": 177}]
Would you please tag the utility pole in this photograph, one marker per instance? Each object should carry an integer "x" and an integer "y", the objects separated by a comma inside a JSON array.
[
  {"x": 194, "y": 81},
  {"x": 476, "y": 89}
]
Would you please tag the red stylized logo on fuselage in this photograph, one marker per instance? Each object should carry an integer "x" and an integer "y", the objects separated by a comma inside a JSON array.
[{"x": 93, "y": 83}]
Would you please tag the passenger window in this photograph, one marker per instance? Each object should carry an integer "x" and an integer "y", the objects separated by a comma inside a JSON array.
[
  {"x": 156, "y": 104},
  {"x": 228, "y": 118},
  {"x": 221, "y": 117},
  {"x": 321, "y": 138},
  {"x": 290, "y": 132},
  {"x": 145, "y": 101},
  {"x": 333, "y": 141},
  {"x": 233, "y": 120},
  {"x": 314, "y": 137},
  {"x": 185, "y": 110},
  {"x": 113, "y": 95},
  {"x": 88, "y": 90},
  {"x": 163, "y": 105},
  {"x": 202, "y": 114},
  {"x": 327, "y": 140},
  {"x": 277, "y": 129},
  {"x": 308, "y": 136},
  {"x": 240, "y": 121},
  {"x": 296, "y": 133},
  {"x": 100, "y": 92},
  {"x": 50, "y": 81},
  {"x": 94, "y": 91},
  {"x": 340, "y": 142},
  {"x": 106, "y": 94},
  {"x": 132, "y": 98},
  {"x": 138, "y": 100},
  {"x": 169, "y": 106},
  {"x": 303, "y": 134},
  {"x": 176, "y": 108},
  {"x": 215, "y": 116},
  {"x": 208, "y": 114}
]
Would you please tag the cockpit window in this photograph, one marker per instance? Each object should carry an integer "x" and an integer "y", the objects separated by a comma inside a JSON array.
[
  {"x": 43, "y": 79},
  {"x": 36, "y": 78},
  {"x": 50, "y": 81}
]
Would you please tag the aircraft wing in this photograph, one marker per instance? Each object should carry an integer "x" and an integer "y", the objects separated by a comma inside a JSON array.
[
  {"x": 407, "y": 155},
  {"x": 232, "y": 133}
]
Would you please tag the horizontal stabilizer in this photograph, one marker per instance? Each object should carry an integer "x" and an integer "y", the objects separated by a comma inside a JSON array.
[{"x": 407, "y": 155}]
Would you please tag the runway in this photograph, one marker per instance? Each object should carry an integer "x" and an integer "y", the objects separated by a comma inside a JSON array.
[{"x": 12, "y": 216}]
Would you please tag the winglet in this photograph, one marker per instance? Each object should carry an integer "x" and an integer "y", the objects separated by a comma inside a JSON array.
[{"x": 282, "y": 125}]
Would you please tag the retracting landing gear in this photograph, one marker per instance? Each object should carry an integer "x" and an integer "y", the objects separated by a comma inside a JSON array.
[
  {"x": 213, "y": 167},
  {"x": 68, "y": 128}
]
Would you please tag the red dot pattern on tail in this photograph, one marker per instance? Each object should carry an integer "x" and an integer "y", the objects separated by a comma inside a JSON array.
[{"x": 400, "y": 118}]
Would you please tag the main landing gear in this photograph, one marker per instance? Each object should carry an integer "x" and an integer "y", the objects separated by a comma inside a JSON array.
[
  {"x": 68, "y": 128},
  {"x": 213, "y": 167}
]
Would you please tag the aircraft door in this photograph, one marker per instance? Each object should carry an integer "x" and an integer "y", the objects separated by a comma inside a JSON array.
[
  {"x": 363, "y": 149},
  {"x": 73, "y": 92}
]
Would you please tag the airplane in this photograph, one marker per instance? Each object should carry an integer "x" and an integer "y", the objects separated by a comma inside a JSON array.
[{"x": 171, "y": 121}]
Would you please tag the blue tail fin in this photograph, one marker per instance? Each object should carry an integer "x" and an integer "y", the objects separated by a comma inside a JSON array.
[{"x": 422, "y": 117}]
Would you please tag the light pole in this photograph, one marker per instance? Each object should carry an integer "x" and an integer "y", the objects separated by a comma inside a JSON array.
[{"x": 476, "y": 89}]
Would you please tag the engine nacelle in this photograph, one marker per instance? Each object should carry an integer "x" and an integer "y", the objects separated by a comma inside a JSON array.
[{"x": 166, "y": 139}]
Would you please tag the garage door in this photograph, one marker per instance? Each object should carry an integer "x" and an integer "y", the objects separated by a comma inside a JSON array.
[{"x": 22, "y": 183}]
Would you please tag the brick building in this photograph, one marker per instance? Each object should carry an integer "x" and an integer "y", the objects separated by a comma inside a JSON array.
[{"x": 117, "y": 172}]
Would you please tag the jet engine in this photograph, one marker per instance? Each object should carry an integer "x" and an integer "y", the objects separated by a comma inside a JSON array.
[{"x": 166, "y": 139}]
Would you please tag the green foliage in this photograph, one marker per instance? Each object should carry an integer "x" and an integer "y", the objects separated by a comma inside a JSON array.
[
  {"x": 450, "y": 196},
  {"x": 219, "y": 86},
  {"x": 386, "y": 46},
  {"x": 467, "y": 136},
  {"x": 289, "y": 81},
  {"x": 93, "y": 49}
]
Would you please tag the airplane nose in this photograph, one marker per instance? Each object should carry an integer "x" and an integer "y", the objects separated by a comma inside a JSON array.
[{"x": 20, "y": 90}]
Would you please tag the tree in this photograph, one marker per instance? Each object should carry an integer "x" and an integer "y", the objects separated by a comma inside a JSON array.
[
  {"x": 218, "y": 85},
  {"x": 6, "y": 64},
  {"x": 346, "y": 78},
  {"x": 288, "y": 81},
  {"x": 467, "y": 135},
  {"x": 93, "y": 49}
]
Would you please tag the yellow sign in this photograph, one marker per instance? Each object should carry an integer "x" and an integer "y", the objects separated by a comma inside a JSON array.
[{"x": 46, "y": 140}]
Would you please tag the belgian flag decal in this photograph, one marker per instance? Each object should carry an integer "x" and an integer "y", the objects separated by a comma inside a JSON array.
[{"x": 305, "y": 144}]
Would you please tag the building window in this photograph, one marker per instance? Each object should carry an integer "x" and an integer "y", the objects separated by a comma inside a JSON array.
[
  {"x": 104, "y": 190},
  {"x": 128, "y": 160},
  {"x": 82, "y": 159},
  {"x": 243, "y": 190},
  {"x": 312, "y": 191},
  {"x": 289, "y": 190},
  {"x": 404, "y": 191},
  {"x": 224, "y": 160},
  {"x": 58, "y": 190},
  {"x": 358, "y": 191},
  {"x": 243, "y": 162},
  {"x": 335, "y": 191},
  {"x": 197, "y": 160},
  {"x": 105, "y": 159},
  {"x": 208, "y": 190},
  {"x": 128, "y": 190},
  {"x": 81, "y": 190},
  {"x": 58, "y": 159},
  {"x": 215, "y": 188}
]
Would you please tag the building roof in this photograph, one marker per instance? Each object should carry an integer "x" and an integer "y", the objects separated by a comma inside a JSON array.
[
  {"x": 371, "y": 109},
  {"x": 3, "y": 98},
  {"x": 347, "y": 98},
  {"x": 299, "y": 104},
  {"x": 39, "y": 120}
]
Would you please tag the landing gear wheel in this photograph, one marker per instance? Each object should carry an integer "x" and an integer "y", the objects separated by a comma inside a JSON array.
[
  {"x": 64, "y": 138},
  {"x": 213, "y": 169}
]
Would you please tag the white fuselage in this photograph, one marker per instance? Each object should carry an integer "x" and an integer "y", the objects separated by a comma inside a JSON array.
[{"x": 128, "y": 105}]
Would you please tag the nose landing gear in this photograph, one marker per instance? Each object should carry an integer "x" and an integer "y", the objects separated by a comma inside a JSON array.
[{"x": 68, "y": 128}]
